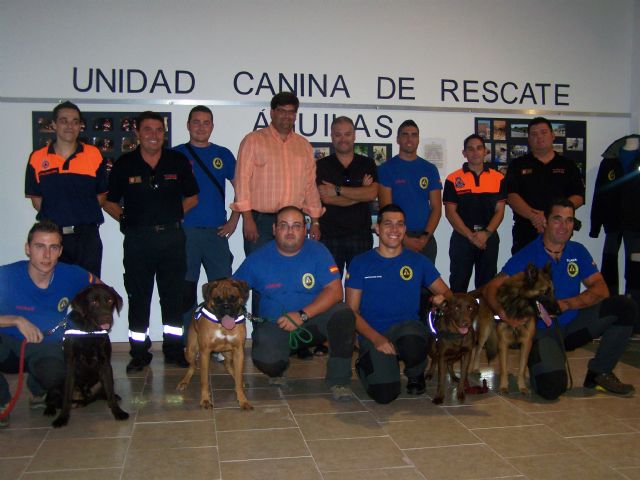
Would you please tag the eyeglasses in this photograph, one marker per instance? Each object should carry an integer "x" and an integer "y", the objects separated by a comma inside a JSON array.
[{"x": 284, "y": 226}]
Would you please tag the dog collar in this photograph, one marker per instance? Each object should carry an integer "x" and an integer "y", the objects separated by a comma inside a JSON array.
[
  {"x": 443, "y": 334},
  {"x": 201, "y": 311}
]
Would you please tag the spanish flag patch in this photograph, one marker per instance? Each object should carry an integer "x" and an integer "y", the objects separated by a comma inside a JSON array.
[{"x": 334, "y": 269}]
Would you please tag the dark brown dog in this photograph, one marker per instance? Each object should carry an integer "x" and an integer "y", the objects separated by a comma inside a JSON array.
[
  {"x": 219, "y": 326},
  {"x": 520, "y": 296},
  {"x": 87, "y": 352},
  {"x": 454, "y": 340}
]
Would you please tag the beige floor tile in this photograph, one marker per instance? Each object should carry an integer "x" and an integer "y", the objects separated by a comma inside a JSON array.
[
  {"x": 461, "y": 462},
  {"x": 259, "y": 444},
  {"x": 281, "y": 469},
  {"x": 258, "y": 418},
  {"x": 434, "y": 432},
  {"x": 620, "y": 450},
  {"x": 192, "y": 463},
  {"x": 356, "y": 454},
  {"x": 21, "y": 442},
  {"x": 172, "y": 409},
  {"x": 80, "y": 454},
  {"x": 93, "y": 425},
  {"x": 574, "y": 466},
  {"x": 151, "y": 436},
  {"x": 12, "y": 468},
  {"x": 93, "y": 474},
  {"x": 399, "y": 473},
  {"x": 404, "y": 409},
  {"x": 577, "y": 423},
  {"x": 256, "y": 396},
  {"x": 523, "y": 441},
  {"x": 632, "y": 473},
  {"x": 321, "y": 403},
  {"x": 304, "y": 386},
  {"x": 494, "y": 414},
  {"x": 249, "y": 380},
  {"x": 339, "y": 425}
]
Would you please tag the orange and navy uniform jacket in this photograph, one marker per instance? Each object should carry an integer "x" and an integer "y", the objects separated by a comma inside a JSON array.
[
  {"x": 476, "y": 196},
  {"x": 68, "y": 188}
]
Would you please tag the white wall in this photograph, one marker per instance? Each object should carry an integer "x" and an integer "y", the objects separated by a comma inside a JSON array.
[{"x": 587, "y": 44}]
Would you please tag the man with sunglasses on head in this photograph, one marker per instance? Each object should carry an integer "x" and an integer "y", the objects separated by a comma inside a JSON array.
[
  {"x": 301, "y": 298},
  {"x": 156, "y": 187},
  {"x": 347, "y": 182}
]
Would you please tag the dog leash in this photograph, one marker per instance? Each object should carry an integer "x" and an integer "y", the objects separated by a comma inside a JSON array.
[
  {"x": 4, "y": 414},
  {"x": 296, "y": 337}
]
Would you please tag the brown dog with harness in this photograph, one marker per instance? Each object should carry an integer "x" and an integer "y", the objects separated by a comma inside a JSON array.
[
  {"x": 454, "y": 340},
  {"x": 219, "y": 325}
]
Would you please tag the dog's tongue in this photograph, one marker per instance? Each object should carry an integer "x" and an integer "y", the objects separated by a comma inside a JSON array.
[
  {"x": 228, "y": 322},
  {"x": 463, "y": 330}
]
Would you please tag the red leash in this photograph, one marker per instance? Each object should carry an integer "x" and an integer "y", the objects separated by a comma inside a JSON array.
[{"x": 13, "y": 401}]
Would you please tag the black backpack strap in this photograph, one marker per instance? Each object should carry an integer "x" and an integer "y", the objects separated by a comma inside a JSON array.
[{"x": 206, "y": 170}]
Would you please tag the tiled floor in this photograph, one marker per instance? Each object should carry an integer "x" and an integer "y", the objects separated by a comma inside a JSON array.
[{"x": 300, "y": 433}]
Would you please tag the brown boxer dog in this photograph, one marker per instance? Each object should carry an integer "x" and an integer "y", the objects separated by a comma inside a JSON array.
[{"x": 219, "y": 325}]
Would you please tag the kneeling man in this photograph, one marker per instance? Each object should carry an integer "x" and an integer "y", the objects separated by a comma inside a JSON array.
[
  {"x": 586, "y": 315},
  {"x": 383, "y": 288},
  {"x": 299, "y": 286}
]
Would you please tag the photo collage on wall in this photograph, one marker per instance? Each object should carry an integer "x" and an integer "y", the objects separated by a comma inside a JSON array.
[
  {"x": 506, "y": 139},
  {"x": 379, "y": 152},
  {"x": 113, "y": 133}
]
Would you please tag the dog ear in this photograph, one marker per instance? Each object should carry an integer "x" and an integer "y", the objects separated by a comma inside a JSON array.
[
  {"x": 243, "y": 287},
  {"x": 117, "y": 299},
  {"x": 207, "y": 287},
  {"x": 79, "y": 302},
  {"x": 531, "y": 274}
]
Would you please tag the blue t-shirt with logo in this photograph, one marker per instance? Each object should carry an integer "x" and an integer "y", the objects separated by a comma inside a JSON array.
[
  {"x": 410, "y": 183},
  {"x": 575, "y": 265},
  {"x": 210, "y": 210},
  {"x": 288, "y": 284},
  {"x": 44, "y": 307},
  {"x": 390, "y": 286}
]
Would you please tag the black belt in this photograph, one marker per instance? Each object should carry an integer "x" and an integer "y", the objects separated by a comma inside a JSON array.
[
  {"x": 165, "y": 227},
  {"x": 71, "y": 229}
]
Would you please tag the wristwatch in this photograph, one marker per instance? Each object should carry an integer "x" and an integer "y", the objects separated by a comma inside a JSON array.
[
  {"x": 303, "y": 316},
  {"x": 338, "y": 190}
]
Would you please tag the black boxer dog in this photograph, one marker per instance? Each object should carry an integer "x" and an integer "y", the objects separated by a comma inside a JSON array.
[{"x": 87, "y": 353}]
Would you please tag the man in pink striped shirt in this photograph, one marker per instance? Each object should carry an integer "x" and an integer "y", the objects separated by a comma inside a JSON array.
[{"x": 275, "y": 168}]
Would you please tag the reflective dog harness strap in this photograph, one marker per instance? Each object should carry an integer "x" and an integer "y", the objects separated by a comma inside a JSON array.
[
  {"x": 201, "y": 311},
  {"x": 75, "y": 332}
]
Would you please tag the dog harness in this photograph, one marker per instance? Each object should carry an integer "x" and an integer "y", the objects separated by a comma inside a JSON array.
[
  {"x": 201, "y": 311},
  {"x": 433, "y": 314}
]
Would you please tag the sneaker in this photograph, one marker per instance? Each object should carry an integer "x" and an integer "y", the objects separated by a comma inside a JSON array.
[
  {"x": 218, "y": 357},
  {"x": 37, "y": 402},
  {"x": 341, "y": 393},
  {"x": 416, "y": 385},
  {"x": 137, "y": 364},
  {"x": 607, "y": 382},
  {"x": 4, "y": 422},
  {"x": 280, "y": 381}
]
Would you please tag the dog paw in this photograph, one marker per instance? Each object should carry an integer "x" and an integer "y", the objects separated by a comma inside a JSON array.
[
  {"x": 438, "y": 400},
  {"x": 246, "y": 406},
  {"x": 181, "y": 387},
  {"x": 61, "y": 421},
  {"x": 120, "y": 414},
  {"x": 524, "y": 391},
  {"x": 460, "y": 396},
  {"x": 206, "y": 404}
]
